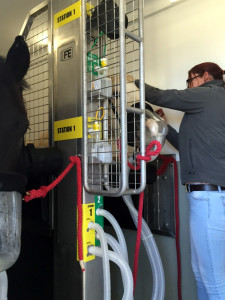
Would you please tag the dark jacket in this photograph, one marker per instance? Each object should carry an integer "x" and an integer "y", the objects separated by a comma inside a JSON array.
[{"x": 202, "y": 131}]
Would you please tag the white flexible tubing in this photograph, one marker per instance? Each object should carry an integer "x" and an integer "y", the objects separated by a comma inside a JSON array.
[
  {"x": 113, "y": 243},
  {"x": 105, "y": 259},
  {"x": 116, "y": 226},
  {"x": 158, "y": 292},
  {"x": 124, "y": 267},
  {"x": 3, "y": 285}
]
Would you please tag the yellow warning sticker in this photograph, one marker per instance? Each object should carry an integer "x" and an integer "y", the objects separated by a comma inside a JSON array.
[
  {"x": 67, "y": 15},
  {"x": 68, "y": 129},
  {"x": 71, "y": 13},
  {"x": 88, "y": 235}
]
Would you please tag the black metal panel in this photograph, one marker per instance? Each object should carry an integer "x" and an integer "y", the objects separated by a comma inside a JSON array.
[
  {"x": 159, "y": 202},
  {"x": 67, "y": 273}
]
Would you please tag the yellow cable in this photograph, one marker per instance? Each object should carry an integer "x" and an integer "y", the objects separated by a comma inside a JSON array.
[{"x": 96, "y": 116}]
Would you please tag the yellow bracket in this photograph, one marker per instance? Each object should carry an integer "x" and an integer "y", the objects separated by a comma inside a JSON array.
[{"x": 88, "y": 234}]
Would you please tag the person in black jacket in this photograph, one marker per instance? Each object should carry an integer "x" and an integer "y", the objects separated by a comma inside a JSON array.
[{"x": 201, "y": 145}]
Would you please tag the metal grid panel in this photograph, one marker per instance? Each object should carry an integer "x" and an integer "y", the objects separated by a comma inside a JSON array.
[
  {"x": 36, "y": 97},
  {"x": 113, "y": 63}
]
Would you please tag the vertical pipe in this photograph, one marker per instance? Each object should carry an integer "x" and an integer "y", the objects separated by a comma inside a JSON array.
[
  {"x": 3, "y": 285},
  {"x": 84, "y": 91},
  {"x": 142, "y": 93},
  {"x": 51, "y": 100},
  {"x": 123, "y": 114}
]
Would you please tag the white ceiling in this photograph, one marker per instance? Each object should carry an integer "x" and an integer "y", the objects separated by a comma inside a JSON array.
[{"x": 12, "y": 16}]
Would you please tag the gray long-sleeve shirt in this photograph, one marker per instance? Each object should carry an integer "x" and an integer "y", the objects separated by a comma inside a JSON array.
[{"x": 202, "y": 130}]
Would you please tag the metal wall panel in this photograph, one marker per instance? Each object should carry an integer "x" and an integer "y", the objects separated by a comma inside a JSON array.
[
  {"x": 36, "y": 97},
  {"x": 70, "y": 282}
]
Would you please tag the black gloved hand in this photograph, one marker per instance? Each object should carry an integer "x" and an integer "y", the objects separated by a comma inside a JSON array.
[{"x": 137, "y": 83}]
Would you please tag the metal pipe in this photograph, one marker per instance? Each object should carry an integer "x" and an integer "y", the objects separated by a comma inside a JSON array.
[
  {"x": 123, "y": 114},
  {"x": 134, "y": 37},
  {"x": 142, "y": 97},
  {"x": 135, "y": 110},
  {"x": 3, "y": 285}
]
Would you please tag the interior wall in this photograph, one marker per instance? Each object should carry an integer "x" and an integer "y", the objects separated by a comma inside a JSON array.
[{"x": 187, "y": 33}]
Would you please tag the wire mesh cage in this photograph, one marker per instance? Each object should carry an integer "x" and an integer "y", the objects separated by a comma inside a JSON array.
[
  {"x": 36, "y": 96},
  {"x": 114, "y": 105}
]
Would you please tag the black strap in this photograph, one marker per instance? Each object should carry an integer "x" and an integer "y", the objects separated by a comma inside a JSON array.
[{"x": 203, "y": 187}]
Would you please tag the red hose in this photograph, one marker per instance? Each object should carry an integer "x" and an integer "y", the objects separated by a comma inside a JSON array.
[{"x": 138, "y": 239}]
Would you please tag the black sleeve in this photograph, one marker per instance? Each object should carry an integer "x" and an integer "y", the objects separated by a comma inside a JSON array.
[{"x": 172, "y": 137}]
